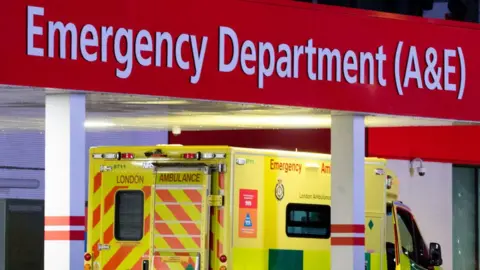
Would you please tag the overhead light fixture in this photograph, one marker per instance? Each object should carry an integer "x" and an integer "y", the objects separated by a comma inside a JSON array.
[
  {"x": 157, "y": 102},
  {"x": 98, "y": 124}
]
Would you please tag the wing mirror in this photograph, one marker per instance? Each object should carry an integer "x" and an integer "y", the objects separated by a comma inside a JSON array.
[{"x": 435, "y": 252}]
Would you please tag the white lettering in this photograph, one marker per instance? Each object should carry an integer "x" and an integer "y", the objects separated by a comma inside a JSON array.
[
  {"x": 265, "y": 71},
  {"x": 448, "y": 69},
  {"x": 350, "y": 66},
  {"x": 329, "y": 54},
  {"x": 53, "y": 27},
  {"x": 126, "y": 58},
  {"x": 178, "y": 51},
  {"x": 415, "y": 73},
  {"x": 33, "y": 30},
  {"x": 310, "y": 51},
  {"x": 297, "y": 52},
  {"x": 86, "y": 41},
  {"x": 381, "y": 58},
  {"x": 161, "y": 37},
  {"x": 248, "y": 56},
  {"x": 286, "y": 61},
  {"x": 107, "y": 32},
  {"x": 140, "y": 47},
  {"x": 226, "y": 31},
  {"x": 364, "y": 58},
  {"x": 198, "y": 57},
  {"x": 263, "y": 59}
]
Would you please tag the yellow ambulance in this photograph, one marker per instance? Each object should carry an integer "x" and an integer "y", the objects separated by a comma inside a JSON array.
[{"x": 226, "y": 208}]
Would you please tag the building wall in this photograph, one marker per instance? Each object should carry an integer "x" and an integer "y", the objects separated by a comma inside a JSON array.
[
  {"x": 430, "y": 198},
  {"x": 308, "y": 140},
  {"x": 2, "y": 233},
  {"x": 22, "y": 155}
]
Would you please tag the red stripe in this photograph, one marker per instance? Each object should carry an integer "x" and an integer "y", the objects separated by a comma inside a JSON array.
[
  {"x": 166, "y": 196},
  {"x": 163, "y": 228},
  {"x": 97, "y": 182},
  {"x": 220, "y": 217},
  {"x": 347, "y": 241},
  {"x": 110, "y": 198},
  {"x": 197, "y": 241},
  {"x": 147, "y": 224},
  {"x": 147, "y": 191},
  {"x": 65, "y": 221},
  {"x": 95, "y": 250},
  {"x": 191, "y": 228},
  {"x": 96, "y": 216},
  {"x": 221, "y": 180},
  {"x": 159, "y": 264},
  {"x": 211, "y": 241},
  {"x": 179, "y": 213},
  {"x": 64, "y": 235},
  {"x": 193, "y": 195},
  {"x": 118, "y": 257},
  {"x": 397, "y": 255},
  {"x": 108, "y": 235},
  {"x": 171, "y": 241},
  {"x": 219, "y": 249},
  {"x": 348, "y": 228},
  {"x": 189, "y": 262},
  {"x": 138, "y": 265}
]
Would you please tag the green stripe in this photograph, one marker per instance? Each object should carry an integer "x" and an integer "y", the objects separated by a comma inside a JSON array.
[
  {"x": 279, "y": 259},
  {"x": 368, "y": 266}
]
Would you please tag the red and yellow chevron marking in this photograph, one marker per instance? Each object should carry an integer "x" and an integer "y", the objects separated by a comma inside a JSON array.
[
  {"x": 178, "y": 217},
  {"x": 217, "y": 230},
  {"x": 178, "y": 213},
  {"x": 101, "y": 219}
]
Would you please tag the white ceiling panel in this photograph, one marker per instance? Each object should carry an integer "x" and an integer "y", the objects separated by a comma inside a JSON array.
[{"x": 23, "y": 108}]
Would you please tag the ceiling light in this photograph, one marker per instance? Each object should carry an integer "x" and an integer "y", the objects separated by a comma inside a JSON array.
[
  {"x": 158, "y": 102},
  {"x": 98, "y": 124}
]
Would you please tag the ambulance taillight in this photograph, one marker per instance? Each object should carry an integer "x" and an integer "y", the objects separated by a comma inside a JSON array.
[
  {"x": 190, "y": 156},
  {"x": 87, "y": 257},
  {"x": 223, "y": 259},
  {"x": 127, "y": 156},
  {"x": 200, "y": 156}
]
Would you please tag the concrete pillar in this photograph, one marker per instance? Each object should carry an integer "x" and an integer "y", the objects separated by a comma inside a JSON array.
[
  {"x": 65, "y": 174},
  {"x": 348, "y": 192}
]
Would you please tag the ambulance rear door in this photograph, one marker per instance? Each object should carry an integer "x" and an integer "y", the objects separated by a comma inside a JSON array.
[
  {"x": 180, "y": 214},
  {"x": 123, "y": 238}
]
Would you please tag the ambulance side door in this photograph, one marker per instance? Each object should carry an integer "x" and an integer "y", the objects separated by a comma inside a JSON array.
[{"x": 412, "y": 250}]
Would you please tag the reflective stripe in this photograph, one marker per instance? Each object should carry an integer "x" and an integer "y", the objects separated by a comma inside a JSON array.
[{"x": 65, "y": 228}]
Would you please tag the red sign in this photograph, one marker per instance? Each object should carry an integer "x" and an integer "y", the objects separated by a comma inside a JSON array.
[
  {"x": 248, "y": 198},
  {"x": 247, "y": 213},
  {"x": 290, "y": 54}
]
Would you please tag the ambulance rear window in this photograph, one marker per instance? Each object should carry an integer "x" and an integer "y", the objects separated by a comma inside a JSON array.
[
  {"x": 308, "y": 221},
  {"x": 129, "y": 215}
]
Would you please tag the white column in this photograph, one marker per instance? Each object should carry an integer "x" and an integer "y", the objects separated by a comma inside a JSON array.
[
  {"x": 65, "y": 174},
  {"x": 348, "y": 192}
]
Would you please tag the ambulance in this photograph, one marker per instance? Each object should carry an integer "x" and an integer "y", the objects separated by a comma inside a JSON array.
[{"x": 221, "y": 208}]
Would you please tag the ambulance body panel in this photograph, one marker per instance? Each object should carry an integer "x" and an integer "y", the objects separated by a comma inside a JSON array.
[{"x": 220, "y": 207}]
